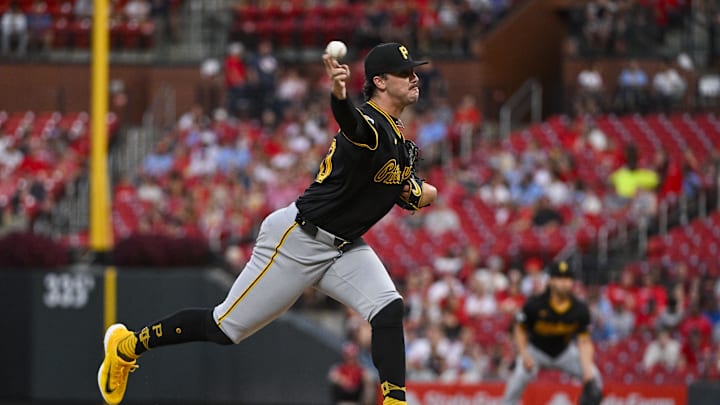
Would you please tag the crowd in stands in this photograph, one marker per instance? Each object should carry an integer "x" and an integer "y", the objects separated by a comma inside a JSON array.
[
  {"x": 33, "y": 26},
  {"x": 440, "y": 26},
  {"x": 39, "y": 155},
  {"x": 636, "y": 27},
  {"x": 674, "y": 86}
]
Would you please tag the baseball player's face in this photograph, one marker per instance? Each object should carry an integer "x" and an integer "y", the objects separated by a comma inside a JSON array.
[
  {"x": 404, "y": 85},
  {"x": 561, "y": 285}
]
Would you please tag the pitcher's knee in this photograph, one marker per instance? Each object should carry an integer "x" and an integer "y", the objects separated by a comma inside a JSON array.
[{"x": 390, "y": 316}]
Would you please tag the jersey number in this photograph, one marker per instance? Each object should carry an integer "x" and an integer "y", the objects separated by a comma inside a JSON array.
[{"x": 326, "y": 165}]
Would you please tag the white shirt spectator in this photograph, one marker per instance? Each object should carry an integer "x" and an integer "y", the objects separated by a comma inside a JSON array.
[
  {"x": 203, "y": 161},
  {"x": 10, "y": 157},
  {"x": 137, "y": 10},
  {"x": 669, "y": 83},
  {"x": 481, "y": 300},
  {"x": 664, "y": 351},
  {"x": 83, "y": 8},
  {"x": 14, "y": 24},
  {"x": 441, "y": 219},
  {"x": 590, "y": 80},
  {"x": 557, "y": 192},
  {"x": 441, "y": 288},
  {"x": 150, "y": 192},
  {"x": 492, "y": 276}
]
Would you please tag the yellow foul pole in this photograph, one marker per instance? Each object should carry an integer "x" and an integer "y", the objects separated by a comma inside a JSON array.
[{"x": 100, "y": 229}]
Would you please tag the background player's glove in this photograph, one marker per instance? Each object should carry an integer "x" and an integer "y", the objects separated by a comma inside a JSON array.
[
  {"x": 591, "y": 394},
  {"x": 412, "y": 202}
]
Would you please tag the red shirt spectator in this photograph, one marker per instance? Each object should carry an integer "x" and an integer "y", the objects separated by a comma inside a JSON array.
[
  {"x": 235, "y": 69},
  {"x": 696, "y": 321},
  {"x": 618, "y": 293}
]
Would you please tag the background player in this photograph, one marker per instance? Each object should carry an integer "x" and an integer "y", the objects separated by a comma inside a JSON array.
[
  {"x": 544, "y": 333},
  {"x": 316, "y": 241}
]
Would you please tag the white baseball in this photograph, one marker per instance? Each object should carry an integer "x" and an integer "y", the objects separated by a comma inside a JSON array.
[{"x": 336, "y": 49}]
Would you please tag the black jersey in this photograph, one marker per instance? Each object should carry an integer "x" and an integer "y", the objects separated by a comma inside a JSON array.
[
  {"x": 358, "y": 181},
  {"x": 552, "y": 329}
]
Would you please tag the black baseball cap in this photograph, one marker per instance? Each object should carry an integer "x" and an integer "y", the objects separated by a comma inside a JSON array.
[
  {"x": 561, "y": 269},
  {"x": 390, "y": 57}
]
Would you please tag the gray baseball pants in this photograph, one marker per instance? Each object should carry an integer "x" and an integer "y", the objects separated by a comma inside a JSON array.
[
  {"x": 285, "y": 261},
  {"x": 567, "y": 361}
]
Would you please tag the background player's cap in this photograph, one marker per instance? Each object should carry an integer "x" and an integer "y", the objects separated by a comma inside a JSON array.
[
  {"x": 561, "y": 269},
  {"x": 389, "y": 57}
]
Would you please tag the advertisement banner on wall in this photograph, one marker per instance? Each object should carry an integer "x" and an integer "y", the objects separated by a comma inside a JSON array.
[{"x": 543, "y": 393}]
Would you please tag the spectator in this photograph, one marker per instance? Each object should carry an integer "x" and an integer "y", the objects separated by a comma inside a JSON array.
[
  {"x": 235, "y": 79},
  {"x": 600, "y": 313},
  {"x": 696, "y": 322},
  {"x": 535, "y": 279},
  {"x": 441, "y": 219},
  {"x": 208, "y": 93},
  {"x": 545, "y": 215},
  {"x": 668, "y": 88},
  {"x": 496, "y": 192},
  {"x": 467, "y": 361},
  {"x": 493, "y": 276},
  {"x": 350, "y": 382},
  {"x": 651, "y": 299},
  {"x": 160, "y": 161},
  {"x": 511, "y": 299},
  {"x": 480, "y": 301},
  {"x": 697, "y": 350},
  {"x": 632, "y": 88},
  {"x": 14, "y": 26},
  {"x": 265, "y": 65},
  {"x": 624, "y": 291},
  {"x": 663, "y": 351},
  {"x": 426, "y": 356},
  {"x": 83, "y": 9},
  {"x": 622, "y": 319},
  {"x": 630, "y": 179},
  {"x": 10, "y": 156},
  {"x": 467, "y": 122},
  {"x": 39, "y": 23},
  {"x": 670, "y": 176},
  {"x": 137, "y": 11},
  {"x": 599, "y": 23},
  {"x": 432, "y": 138},
  {"x": 590, "y": 96},
  {"x": 162, "y": 15},
  {"x": 526, "y": 192},
  {"x": 670, "y": 317},
  {"x": 149, "y": 191}
]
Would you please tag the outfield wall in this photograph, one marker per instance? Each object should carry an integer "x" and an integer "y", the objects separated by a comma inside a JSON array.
[{"x": 52, "y": 332}]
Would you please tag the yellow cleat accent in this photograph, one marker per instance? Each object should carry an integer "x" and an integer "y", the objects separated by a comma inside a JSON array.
[
  {"x": 386, "y": 387},
  {"x": 113, "y": 372}
]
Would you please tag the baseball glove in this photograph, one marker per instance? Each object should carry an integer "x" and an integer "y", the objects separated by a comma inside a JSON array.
[
  {"x": 412, "y": 202},
  {"x": 413, "y": 153},
  {"x": 591, "y": 394}
]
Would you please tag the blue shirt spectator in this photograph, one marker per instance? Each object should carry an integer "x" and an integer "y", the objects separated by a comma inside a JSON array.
[
  {"x": 230, "y": 158},
  {"x": 633, "y": 76},
  {"x": 159, "y": 162},
  {"x": 431, "y": 131},
  {"x": 526, "y": 191}
]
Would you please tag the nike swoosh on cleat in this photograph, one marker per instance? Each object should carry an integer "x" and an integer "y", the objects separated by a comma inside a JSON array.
[{"x": 107, "y": 382}]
